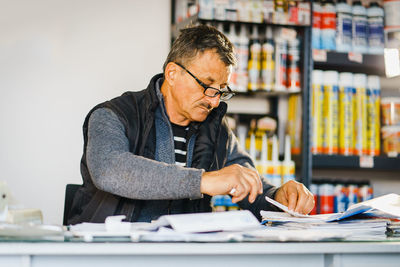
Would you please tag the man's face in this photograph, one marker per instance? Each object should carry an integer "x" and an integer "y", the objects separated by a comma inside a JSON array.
[{"x": 191, "y": 103}]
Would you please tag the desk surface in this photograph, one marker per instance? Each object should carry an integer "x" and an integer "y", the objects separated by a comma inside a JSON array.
[
  {"x": 316, "y": 254},
  {"x": 24, "y": 248}
]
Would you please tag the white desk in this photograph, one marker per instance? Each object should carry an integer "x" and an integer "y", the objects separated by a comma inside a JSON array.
[{"x": 337, "y": 254}]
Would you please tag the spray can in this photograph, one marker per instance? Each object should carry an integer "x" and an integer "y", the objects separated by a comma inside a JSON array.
[
  {"x": 280, "y": 64},
  {"x": 373, "y": 116},
  {"x": 365, "y": 191},
  {"x": 341, "y": 200},
  {"x": 360, "y": 114},
  {"x": 288, "y": 165},
  {"x": 376, "y": 41},
  {"x": 243, "y": 55},
  {"x": 254, "y": 62},
  {"x": 317, "y": 112},
  {"x": 330, "y": 113},
  {"x": 268, "y": 62},
  {"x": 274, "y": 169},
  {"x": 346, "y": 113},
  {"x": 360, "y": 43},
  {"x": 316, "y": 27},
  {"x": 328, "y": 26},
  {"x": 314, "y": 191},
  {"x": 353, "y": 193},
  {"x": 326, "y": 197},
  {"x": 218, "y": 203},
  {"x": 293, "y": 76},
  {"x": 344, "y": 23}
]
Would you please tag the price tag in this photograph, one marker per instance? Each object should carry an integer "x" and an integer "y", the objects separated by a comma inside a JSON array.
[
  {"x": 366, "y": 161},
  {"x": 319, "y": 55},
  {"x": 356, "y": 57}
]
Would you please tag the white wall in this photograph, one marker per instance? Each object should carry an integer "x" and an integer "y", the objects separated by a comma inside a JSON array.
[{"x": 58, "y": 58}]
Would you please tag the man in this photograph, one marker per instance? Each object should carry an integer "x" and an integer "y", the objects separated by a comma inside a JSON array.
[{"x": 167, "y": 149}]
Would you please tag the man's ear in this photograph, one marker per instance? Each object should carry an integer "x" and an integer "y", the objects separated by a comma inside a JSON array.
[{"x": 170, "y": 73}]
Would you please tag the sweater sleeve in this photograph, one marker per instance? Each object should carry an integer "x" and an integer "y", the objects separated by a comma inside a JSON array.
[
  {"x": 116, "y": 170},
  {"x": 237, "y": 155}
]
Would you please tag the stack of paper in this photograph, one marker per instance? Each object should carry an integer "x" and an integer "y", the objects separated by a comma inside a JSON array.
[{"x": 375, "y": 213}]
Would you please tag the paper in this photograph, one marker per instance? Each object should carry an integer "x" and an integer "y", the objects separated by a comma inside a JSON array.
[
  {"x": 284, "y": 208},
  {"x": 211, "y": 221}
]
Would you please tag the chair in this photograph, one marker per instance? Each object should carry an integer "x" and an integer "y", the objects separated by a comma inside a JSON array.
[{"x": 70, "y": 191}]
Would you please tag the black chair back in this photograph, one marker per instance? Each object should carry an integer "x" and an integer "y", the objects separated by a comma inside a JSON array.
[{"x": 70, "y": 191}]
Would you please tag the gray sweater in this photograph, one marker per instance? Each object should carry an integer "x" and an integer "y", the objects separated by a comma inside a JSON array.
[{"x": 115, "y": 170}]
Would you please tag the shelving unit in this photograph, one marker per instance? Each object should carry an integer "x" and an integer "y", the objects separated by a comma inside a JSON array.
[
  {"x": 349, "y": 62},
  {"x": 355, "y": 162},
  {"x": 355, "y": 63},
  {"x": 304, "y": 32}
]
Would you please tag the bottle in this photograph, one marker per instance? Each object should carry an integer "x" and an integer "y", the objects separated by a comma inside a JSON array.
[
  {"x": 360, "y": 43},
  {"x": 254, "y": 67},
  {"x": 330, "y": 113},
  {"x": 328, "y": 25},
  {"x": 317, "y": 111},
  {"x": 316, "y": 27},
  {"x": 232, "y": 36},
  {"x": 344, "y": 23},
  {"x": 346, "y": 113},
  {"x": 243, "y": 56},
  {"x": 268, "y": 63},
  {"x": 288, "y": 165},
  {"x": 360, "y": 114},
  {"x": 373, "y": 116},
  {"x": 280, "y": 63},
  {"x": 293, "y": 76},
  {"x": 376, "y": 42}
]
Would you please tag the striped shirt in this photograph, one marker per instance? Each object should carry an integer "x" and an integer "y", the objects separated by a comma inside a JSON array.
[{"x": 180, "y": 138}]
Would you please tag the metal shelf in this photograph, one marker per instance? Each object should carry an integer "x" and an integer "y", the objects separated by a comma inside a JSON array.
[
  {"x": 381, "y": 163},
  {"x": 345, "y": 62},
  {"x": 191, "y": 20}
]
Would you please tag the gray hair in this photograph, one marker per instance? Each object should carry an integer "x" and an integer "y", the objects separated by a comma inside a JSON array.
[{"x": 198, "y": 39}]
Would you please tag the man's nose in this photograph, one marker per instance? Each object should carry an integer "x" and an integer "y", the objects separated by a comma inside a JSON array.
[{"x": 214, "y": 101}]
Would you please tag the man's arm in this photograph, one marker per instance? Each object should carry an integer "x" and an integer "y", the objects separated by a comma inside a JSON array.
[
  {"x": 116, "y": 170},
  {"x": 250, "y": 189}
]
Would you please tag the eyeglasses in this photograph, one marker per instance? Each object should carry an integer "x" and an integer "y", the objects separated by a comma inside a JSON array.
[{"x": 226, "y": 92}]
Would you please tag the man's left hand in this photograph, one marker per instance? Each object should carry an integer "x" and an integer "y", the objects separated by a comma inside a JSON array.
[{"x": 296, "y": 197}]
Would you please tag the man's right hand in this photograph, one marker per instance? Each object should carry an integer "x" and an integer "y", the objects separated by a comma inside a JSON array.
[{"x": 245, "y": 182}]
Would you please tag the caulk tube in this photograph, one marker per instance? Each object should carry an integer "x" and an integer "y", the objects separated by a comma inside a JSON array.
[
  {"x": 373, "y": 119},
  {"x": 360, "y": 114},
  {"x": 275, "y": 169},
  {"x": 264, "y": 162},
  {"x": 330, "y": 113},
  {"x": 346, "y": 113},
  {"x": 317, "y": 111},
  {"x": 253, "y": 151},
  {"x": 288, "y": 166}
]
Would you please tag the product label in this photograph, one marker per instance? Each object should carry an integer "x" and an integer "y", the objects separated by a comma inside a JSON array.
[
  {"x": 360, "y": 121},
  {"x": 317, "y": 19},
  {"x": 375, "y": 35},
  {"x": 344, "y": 28},
  {"x": 328, "y": 21},
  {"x": 316, "y": 117},
  {"x": 346, "y": 121},
  {"x": 331, "y": 120},
  {"x": 360, "y": 30}
]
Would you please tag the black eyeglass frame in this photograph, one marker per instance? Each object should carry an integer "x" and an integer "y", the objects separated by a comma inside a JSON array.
[{"x": 225, "y": 95}]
